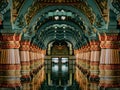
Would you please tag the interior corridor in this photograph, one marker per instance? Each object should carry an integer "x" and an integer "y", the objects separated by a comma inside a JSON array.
[{"x": 59, "y": 44}]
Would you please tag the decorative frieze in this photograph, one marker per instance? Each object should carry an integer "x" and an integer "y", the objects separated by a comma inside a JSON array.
[
  {"x": 10, "y": 41},
  {"x": 10, "y": 44},
  {"x": 25, "y": 46},
  {"x": 10, "y": 37},
  {"x": 95, "y": 46},
  {"x": 110, "y": 41}
]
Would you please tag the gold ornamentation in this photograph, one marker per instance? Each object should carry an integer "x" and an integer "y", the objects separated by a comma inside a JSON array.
[
  {"x": 110, "y": 44},
  {"x": 95, "y": 45},
  {"x": 10, "y": 40},
  {"x": 10, "y": 44},
  {"x": 103, "y": 5},
  {"x": 17, "y": 4},
  {"x": 81, "y": 5},
  {"x": 33, "y": 10},
  {"x": 16, "y": 7},
  {"x": 110, "y": 41},
  {"x": 10, "y": 37},
  {"x": 24, "y": 45}
]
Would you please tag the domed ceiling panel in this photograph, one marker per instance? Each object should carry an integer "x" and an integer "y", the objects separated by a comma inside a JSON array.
[{"x": 44, "y": 13}]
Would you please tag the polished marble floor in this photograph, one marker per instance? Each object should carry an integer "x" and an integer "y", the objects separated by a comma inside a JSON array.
[{"x": 60, "y": 77}]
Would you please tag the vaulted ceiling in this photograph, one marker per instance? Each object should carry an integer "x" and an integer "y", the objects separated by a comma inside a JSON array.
[{"x": 74, "y": 21}]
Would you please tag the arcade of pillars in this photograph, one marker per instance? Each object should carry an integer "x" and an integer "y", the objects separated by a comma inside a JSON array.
[
  {"x": 98, "y": 63},
  {"x": 21, "y": 63}
]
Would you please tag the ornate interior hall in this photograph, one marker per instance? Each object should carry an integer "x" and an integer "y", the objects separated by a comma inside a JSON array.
[{"x": 59, "y": 44}]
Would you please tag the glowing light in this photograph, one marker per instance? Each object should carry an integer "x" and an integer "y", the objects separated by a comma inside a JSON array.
[
  {"x": 55, "y": 59},
  {"x": 64, "y": 68},
  {"x": 55, "y": 27},
  {"x": 57, "y": 10},
  {"x": 63, "y": 27},
  {"x": 62, "y": 11},
  {"x": 64, "y": 60},
  {"x": 55, "y": 68},
  {"x": 56, "y": 17},
  {"x": 63, "y": 17}
]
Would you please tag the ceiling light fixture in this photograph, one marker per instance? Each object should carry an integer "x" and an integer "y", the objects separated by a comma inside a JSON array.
[
  {"x": 63, "y": 17},
  {"x": 56, "y": 17}
]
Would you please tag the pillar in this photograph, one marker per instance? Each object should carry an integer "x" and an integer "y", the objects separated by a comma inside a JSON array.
[
  {"x": 37, "y": 67},
  {"x": 87, "y": 58},
  {"x": 49, "y": 78},
  {"x": 94, "y": 61},
  {"x": 109, "y": 62},
  {"x": 25, "y": 65},
  {"x": 70, "y": 78},
  {"x": 31, "y": 54},
  {"x": 83, "y": 66},
  {"x": 39, "y": 57},
  {"x": 10, "y": 61},
  {"x": 32, "y": 65},
  {"x": 25, "y": 60},
  {"x": 88, "y": 55},
  {"x": 84, "y": 70},
  {"x": 82, "y": 61},
  {"x": 35, "y": 59}
]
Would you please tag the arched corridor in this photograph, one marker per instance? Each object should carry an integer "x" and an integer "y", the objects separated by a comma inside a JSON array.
[{"x": 59, "y": 44}]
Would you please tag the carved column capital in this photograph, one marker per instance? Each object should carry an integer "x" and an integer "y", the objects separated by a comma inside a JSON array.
[
  {"x": 95, "y": 45},
  {"x": 32, "y": 47},
  {"x": 10, "y": 41},
  {"x": 25, "y": 45},
  {"x": 110, "y": 41}
]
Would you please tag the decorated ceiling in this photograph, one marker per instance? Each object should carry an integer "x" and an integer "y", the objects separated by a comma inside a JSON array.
[{"x": 45, "y": 21}]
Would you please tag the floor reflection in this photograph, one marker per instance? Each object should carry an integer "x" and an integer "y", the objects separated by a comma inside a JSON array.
[
  {"x": 35, "y": 82},
  {"x": 60, "y": 77},
  {"x": 84, "y": 81}
]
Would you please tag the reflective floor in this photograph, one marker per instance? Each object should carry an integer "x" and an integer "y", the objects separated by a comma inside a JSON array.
[{"x": 60, "y": 77}]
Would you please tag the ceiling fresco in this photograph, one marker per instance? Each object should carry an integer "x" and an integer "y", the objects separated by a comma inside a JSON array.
[{"x": 74, "y": 21}]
